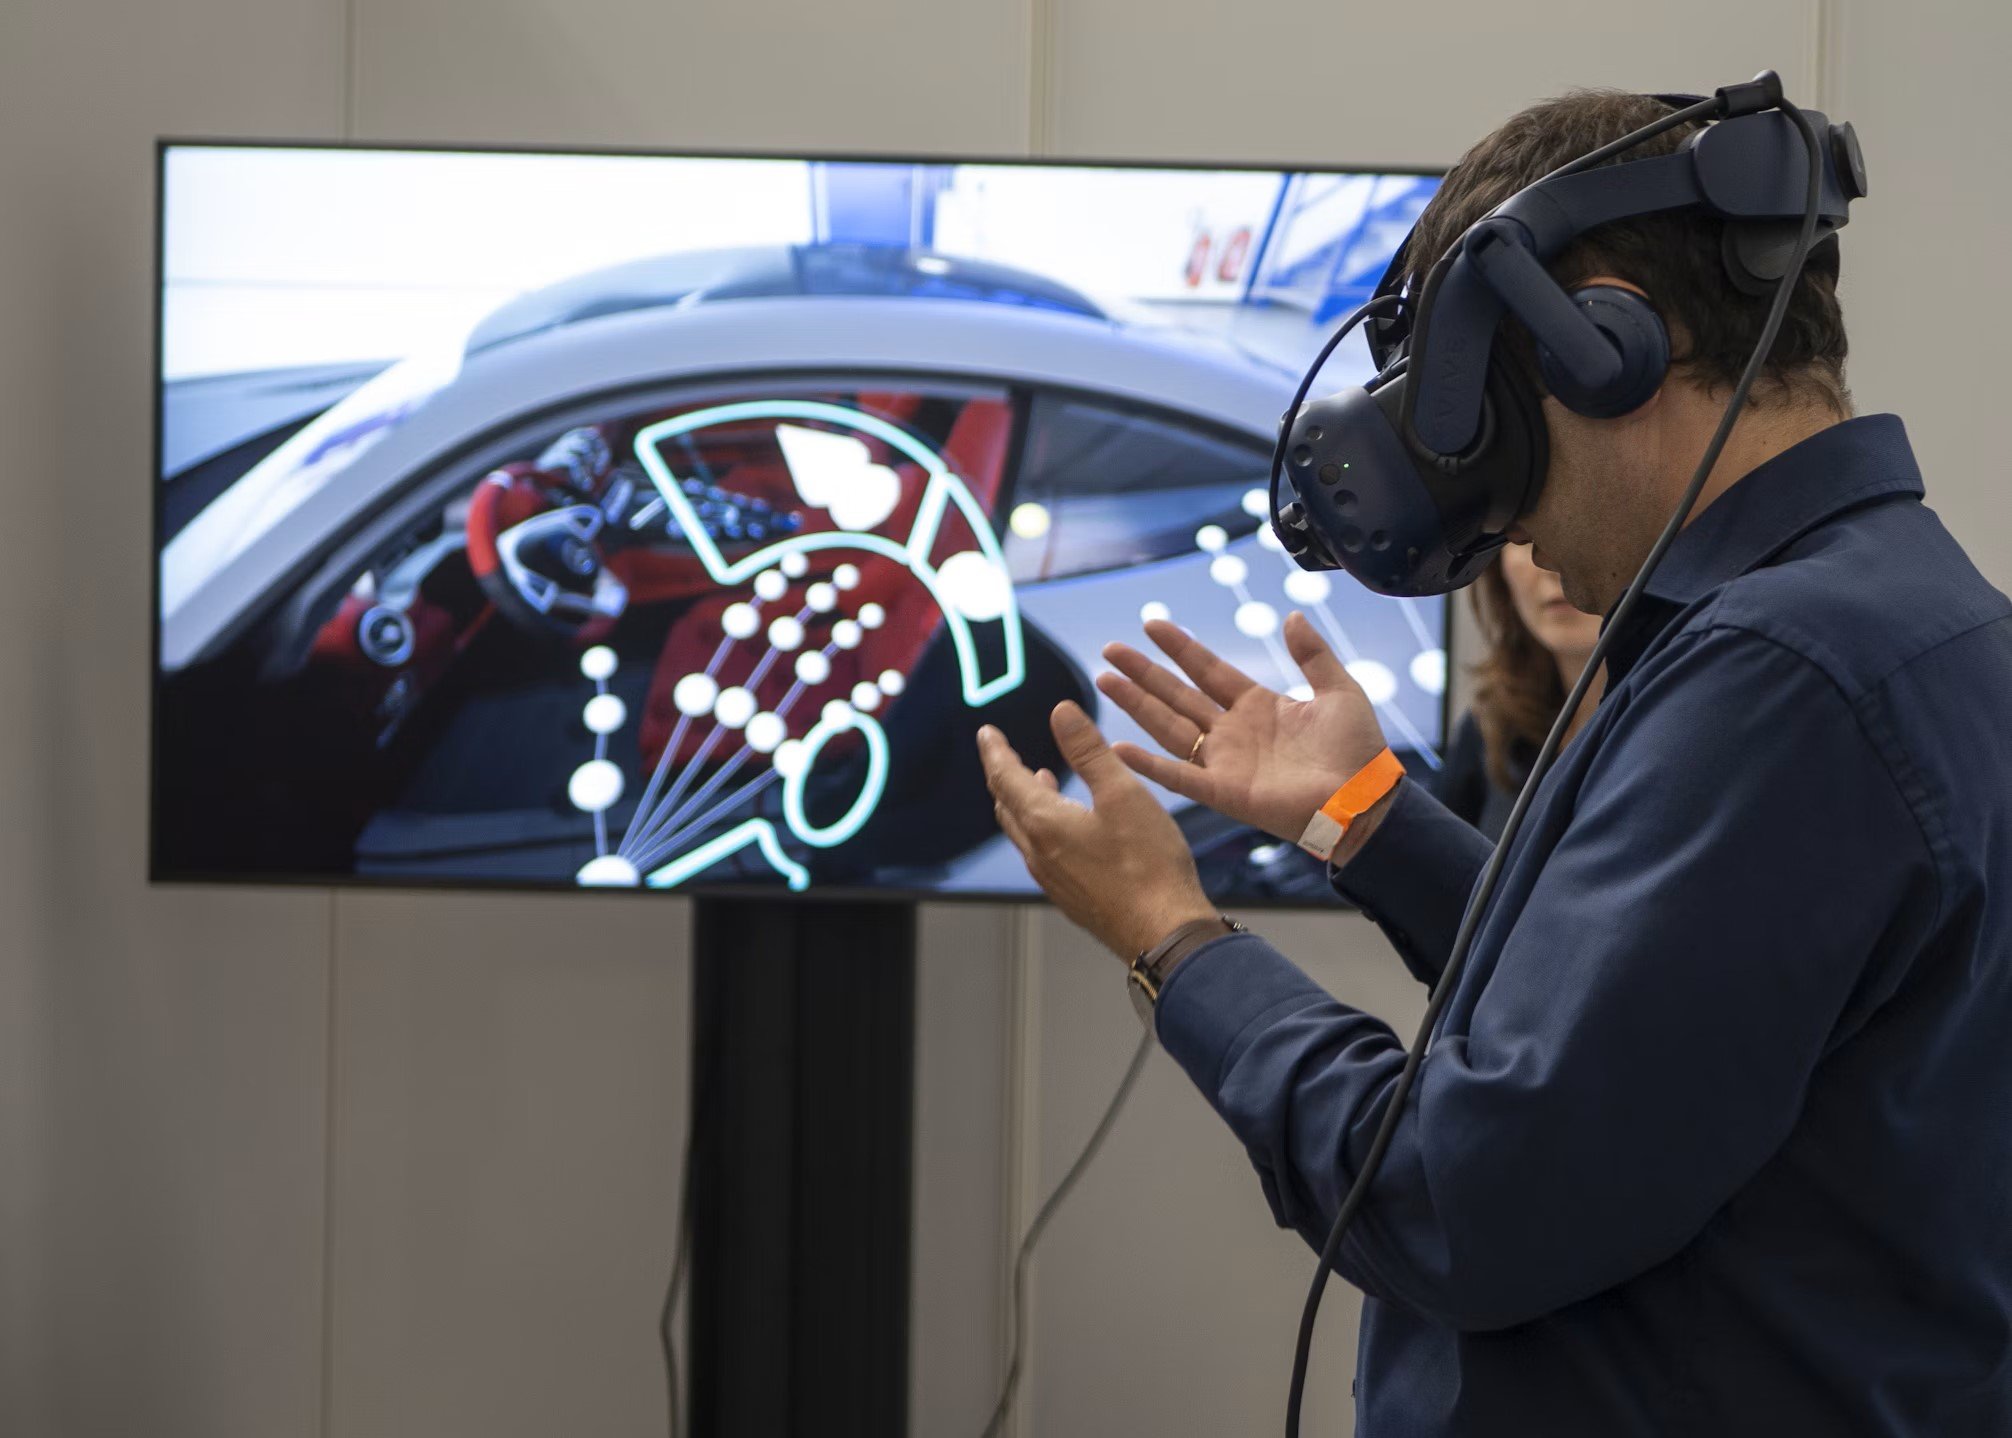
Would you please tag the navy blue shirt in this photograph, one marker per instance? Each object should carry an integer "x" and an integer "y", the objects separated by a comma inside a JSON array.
[{"x": 1715, "y": 1137}]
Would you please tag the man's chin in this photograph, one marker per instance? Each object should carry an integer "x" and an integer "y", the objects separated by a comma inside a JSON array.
[{"x": 1577, "y": 596}]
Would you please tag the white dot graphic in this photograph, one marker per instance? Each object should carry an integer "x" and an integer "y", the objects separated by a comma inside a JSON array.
[
  {"x": 891, "y": 682},
  {"x": 1257, "y": 619},
  {"x": 785, "y": 633},
  {"x": 975, "y": 586},
  {"x": 838, "y": 714},
  {"x": 789, "y": 758},
  {"x": 845, "y": 634},
  {"x": 1305, "y": 586},
  {"x": 1029, "y": 521},
  {"x": 846, "y": 576},
  {"x": 1428, "y": 670},
  {"x": 1257, "y": 503},
  {"x": 812, "y": 667},
  {"x": 598, "y": 663},
  {"x": 605, "y": 713},
  {"x": 1301, "y": 692},
  {"x": 734, "y": 707},
  {"x": 1228, "y": 570},
  {"x": 1376, "y": 680},
  {"x": 740, "y": 621},
  {"x": 770, "y": 585},
  {"x": 1152, "y": 609},
  {"x": 694, "y": 694},
  {"x": 1267, "y": 538},
  {"x": 765, "y": 731},
  {"x": 609, "y": 871},
  {"x": 1211, "y": 537},
  {"x": 865, "y": 697},
  {"x": 822, "y": 598},
  {"x": 795, "y": 565},
  {"x": 872, "y": 616},
  {"x": 594, "y": 786}
]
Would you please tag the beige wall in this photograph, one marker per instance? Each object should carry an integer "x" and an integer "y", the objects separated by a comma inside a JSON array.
[{"x": 283, "y": 1163}]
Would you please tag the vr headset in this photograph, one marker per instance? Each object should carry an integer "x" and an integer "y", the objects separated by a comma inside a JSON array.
[{"x": 1410, "y": 481}]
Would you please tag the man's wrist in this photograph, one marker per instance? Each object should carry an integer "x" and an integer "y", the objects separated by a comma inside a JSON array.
[{"x": 1162, "y": 922}]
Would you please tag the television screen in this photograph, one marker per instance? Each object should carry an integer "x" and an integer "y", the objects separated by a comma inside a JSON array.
[{"x": 675, "y": 521}]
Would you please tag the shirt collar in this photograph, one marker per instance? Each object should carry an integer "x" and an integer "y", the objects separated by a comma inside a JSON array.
[
  {"x": 1772, "y": 506},
  {"x": 1836, "y": 469}
]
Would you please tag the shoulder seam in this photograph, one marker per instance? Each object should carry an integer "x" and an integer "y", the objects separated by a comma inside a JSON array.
[{"x": 1924, "y": 824}]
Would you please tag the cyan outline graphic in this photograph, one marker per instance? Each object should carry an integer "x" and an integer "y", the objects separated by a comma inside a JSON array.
[
  {"x": 755, "y": 831},
  {"x": 836, "y": 833},
  {"x": 942, "y": 489}
]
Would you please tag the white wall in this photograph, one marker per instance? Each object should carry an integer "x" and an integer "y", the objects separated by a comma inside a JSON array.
[{"x": 277, "y": 1163}]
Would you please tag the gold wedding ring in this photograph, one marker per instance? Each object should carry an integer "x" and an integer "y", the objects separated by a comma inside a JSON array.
[{"x": 1195, "y": 754}]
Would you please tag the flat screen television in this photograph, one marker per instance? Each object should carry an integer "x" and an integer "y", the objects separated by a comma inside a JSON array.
[{"x": 674, "y": 521}]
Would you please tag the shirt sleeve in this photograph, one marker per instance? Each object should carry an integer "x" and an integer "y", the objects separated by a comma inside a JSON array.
[
  {"x": 1626, "y": 1050},
  {"x": 1462, "y": 783},
  {"x": 1413, "y": 875}
]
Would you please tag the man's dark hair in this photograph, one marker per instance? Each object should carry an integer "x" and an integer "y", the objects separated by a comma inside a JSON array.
[{"x": 1674, "y": 257}]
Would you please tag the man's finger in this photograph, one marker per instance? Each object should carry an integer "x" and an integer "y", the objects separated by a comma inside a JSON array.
[
  {"x": 1315, "y": 660},
  {"x": 1183, "y": 699},
  {"x": 1187, "y": 780},
  {"x": 1173, "y": 733},
  {"x": 1010, "y": 781},
  {"x": 1010, "y": 825},
  {"x": 1087, "y": 752},
  {"x": 1047, "y": 778},
  {"x": 1215, "y": 676}
]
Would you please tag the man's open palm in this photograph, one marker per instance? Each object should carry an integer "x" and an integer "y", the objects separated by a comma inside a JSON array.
[{"x": 1267, "y": 759}]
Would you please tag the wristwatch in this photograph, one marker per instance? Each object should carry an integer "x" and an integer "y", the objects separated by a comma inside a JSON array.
[{"x": 1152, "y": 968}]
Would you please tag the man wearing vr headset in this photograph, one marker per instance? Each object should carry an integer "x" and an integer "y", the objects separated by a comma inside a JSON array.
[{"x": 1714, "y": 1132}]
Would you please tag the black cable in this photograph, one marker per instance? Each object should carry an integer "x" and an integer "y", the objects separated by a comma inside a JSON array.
[
  {"x": 1096, "y": 1141},
  {"x": 703, "y": 1086},
  {"x": 1484, "y": 888},
  {"x": 667, "y": 1330}
]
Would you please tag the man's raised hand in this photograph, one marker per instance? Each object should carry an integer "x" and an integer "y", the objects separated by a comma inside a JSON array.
[{"x": 1263, "y": 758}]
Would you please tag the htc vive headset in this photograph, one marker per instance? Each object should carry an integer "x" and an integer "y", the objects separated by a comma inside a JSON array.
[{"x": 1409, "y": 481}]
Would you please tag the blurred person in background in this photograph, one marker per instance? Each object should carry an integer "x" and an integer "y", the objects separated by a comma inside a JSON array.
[{"x": 1537, "y": 648}]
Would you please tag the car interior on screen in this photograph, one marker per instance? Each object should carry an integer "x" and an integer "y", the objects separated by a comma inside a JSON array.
[{"x": 707, "y": 566}]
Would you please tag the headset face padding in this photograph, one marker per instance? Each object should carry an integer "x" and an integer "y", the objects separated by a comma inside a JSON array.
[{"x": 1632, "y": 326}]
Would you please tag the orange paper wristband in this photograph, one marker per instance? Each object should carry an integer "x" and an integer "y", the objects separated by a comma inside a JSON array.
[{"x": 1350, "y": 802}]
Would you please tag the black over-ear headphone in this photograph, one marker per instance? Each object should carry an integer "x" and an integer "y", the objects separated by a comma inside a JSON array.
[{"x": 1409, "y": 481}]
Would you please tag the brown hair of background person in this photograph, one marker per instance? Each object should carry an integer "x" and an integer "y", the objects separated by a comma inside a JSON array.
[{"x": 1673, "y": 258}]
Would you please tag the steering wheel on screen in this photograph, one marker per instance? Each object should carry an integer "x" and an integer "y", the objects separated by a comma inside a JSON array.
[{"x": 534, "y": 546}]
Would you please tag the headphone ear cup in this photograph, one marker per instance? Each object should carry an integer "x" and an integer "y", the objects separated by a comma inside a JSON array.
[{"x": 1636, "y": 331}]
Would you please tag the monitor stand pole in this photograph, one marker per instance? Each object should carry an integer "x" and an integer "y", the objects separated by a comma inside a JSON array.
[{"x": 803, "y": 1065}]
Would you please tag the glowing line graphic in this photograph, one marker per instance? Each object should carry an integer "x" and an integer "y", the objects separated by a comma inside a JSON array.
[
  {"x": 1418, "y": 629},
  {"x": 663, "y": 822},
  {"x": 656, "y": 850},
  {"x": 755, "y": 831},
  {"x": 677, "y": 738}
]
